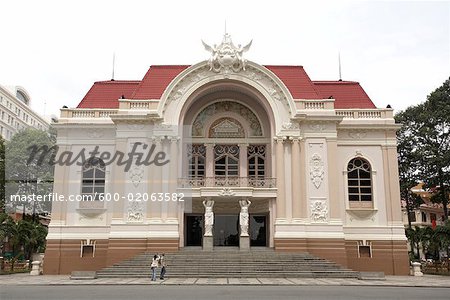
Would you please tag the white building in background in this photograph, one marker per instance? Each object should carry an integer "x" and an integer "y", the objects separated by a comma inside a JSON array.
[
  {"x": 16, "y": 113},
  {"x": 266, "y": 157}
]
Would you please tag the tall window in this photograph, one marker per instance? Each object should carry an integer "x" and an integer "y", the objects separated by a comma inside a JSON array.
[
  {"x": 256, "y": 161},
  {"x": 196, "y": 154},
  {"x": 359, "y": 182},
  {"x": 226, "y": 160},
  {"x": 93, "y": 181}
]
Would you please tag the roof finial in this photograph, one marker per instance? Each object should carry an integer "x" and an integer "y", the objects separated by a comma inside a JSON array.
[
  {"x": 113, "y": 65},
  {"x": 340, "y": 71},
  {"x": 225, "y": 27}
]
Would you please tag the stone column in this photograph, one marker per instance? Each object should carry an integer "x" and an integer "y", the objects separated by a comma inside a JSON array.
[
  {"x": 209, "y": 224},
  {"x": 209, "y": 164},
  {"x": 243, "y": 162},
  {"x": 281, "y": 199},
  {"x": 172, "y": 213},
  {"x": 295, "y": 174},
  {"x": 244, "y": 238},
  {"x": 156, "y": 184}
]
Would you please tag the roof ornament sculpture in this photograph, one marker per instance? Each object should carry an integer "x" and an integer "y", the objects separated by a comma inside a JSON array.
[{"x": 226, "y": 57}]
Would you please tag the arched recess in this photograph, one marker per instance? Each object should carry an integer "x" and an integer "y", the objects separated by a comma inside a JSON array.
[{"x": 256, "y": 81}]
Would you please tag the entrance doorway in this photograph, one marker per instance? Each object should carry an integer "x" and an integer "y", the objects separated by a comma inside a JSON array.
[
  {"x": 194, "y": 230},
  {"x": 226, "y": 230},
  {"x": 258, "y": 230}
]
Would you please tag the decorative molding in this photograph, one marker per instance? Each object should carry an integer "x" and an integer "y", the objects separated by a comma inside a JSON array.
[
  {"x": 316, "y": 172},
  {"x": 319, "y": 210},
  {"x": 358, "y": 152},
  {"x": 357, "y": 134},
  {"x": 94, "y": 133},
  {"x": 226, "y": 191},
  {"x": 135, "y": 211},
  {"x": 136, "y": 174}
]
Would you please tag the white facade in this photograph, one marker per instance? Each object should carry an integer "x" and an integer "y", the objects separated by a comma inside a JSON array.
[{"x": 15, "y": 112}]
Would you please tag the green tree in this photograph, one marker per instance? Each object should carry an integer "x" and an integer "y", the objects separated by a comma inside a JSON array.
[
  {"x": 26, "y": 176},
  {"x": 424, "y": 143},
  {"x": 442, "y": 234}
]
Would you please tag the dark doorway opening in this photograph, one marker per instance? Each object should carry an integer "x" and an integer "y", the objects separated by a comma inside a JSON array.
[
  {"x": 258, "y": 230},
  {"x": 226, "y": 230},
  {"x": 194, "y": 230}
]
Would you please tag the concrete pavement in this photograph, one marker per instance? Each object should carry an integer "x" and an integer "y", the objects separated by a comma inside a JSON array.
[{"x": 395, "y": 281}]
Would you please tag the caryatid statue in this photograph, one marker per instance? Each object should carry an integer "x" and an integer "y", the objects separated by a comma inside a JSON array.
[
  {"x": 243, "y": 216},
  {"x": 209, "y": 216}
]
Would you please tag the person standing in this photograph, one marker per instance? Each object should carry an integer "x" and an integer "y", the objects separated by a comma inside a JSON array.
[
  {"x": 153, "y": 266},
  {"x": 162, "y": 263}
]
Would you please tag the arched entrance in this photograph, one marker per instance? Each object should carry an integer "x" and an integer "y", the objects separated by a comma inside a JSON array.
[{"x": 227, "y": 135}]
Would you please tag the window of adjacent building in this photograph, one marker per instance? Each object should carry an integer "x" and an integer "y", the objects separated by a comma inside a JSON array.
[
  {"x": 93, "y": 179},
  {"x": 226, "y": 160},
  {"x": 424, "y": 217},
  {"x": 359, "y": 183},
  {"x": 412, "y": 216},
  {"x": 196, "y": 154},
  {"x": 256, "y": 160}
]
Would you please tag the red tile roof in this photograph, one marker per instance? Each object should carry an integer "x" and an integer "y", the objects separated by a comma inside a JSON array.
[
  {"x": 296, "y": 80},
  {"x": 105, "y": 94},
  {"x": 347, "y": 94},
  {"x": 156, "y": 80}
]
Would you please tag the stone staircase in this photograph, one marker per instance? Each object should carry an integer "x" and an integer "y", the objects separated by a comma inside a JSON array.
[{"x": 231, "y": 263}]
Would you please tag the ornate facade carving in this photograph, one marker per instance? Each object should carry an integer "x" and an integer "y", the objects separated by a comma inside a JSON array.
[
  {"x": 316, "y": 171},
  {"x": 226, "y": 128},
  {"x": 319, "y": 211},
  {"x": 198, "y": 127},
  {"x": 94, "y": 133},
  {"x": 226, "y": 57},
  {"x": 135, "y": 211},
  {"x": 226, "y": 191},
  {"x": 136, "y": 174}
]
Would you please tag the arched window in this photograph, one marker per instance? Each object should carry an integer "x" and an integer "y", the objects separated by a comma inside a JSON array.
[
  {"x": 93, "y": 179},
  {"x": 359, "y": 182},
  {"x": 256, "y": 161},
  {"x": 196, "y": 154},
  {"x": 226, "y": 158}
]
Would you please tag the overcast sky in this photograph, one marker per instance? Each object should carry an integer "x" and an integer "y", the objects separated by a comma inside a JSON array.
[{"x": 399, "y": 51}]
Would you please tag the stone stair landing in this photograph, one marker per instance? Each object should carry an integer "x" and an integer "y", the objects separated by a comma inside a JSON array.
[{"x": 231, "y": 263}]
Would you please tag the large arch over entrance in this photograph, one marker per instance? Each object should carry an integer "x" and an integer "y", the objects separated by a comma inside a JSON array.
[{"x": 256, "y": 81}]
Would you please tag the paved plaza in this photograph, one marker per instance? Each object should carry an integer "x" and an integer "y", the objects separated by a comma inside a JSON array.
[{"x": 397, "y": 281}]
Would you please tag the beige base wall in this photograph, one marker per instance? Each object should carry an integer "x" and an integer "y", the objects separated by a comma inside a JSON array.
[
  {"x": 63, "y": 256},
  {"x": 390, "y": 257}
]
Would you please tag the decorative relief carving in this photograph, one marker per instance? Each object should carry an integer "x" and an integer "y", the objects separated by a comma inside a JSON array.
[
  {"x": 316, "y": 171},
  {"x": 357, "y": 134},
  {"x": 198, "y": 127},
  {"x": 319, "y": 211},
  {"x": 226, "y": 128},
  {"x": 94, "y": 133},
  {"x": 136, "y": 174},
  {"x": 318, "y": 126},
  {"x": 135, "y": 125},
  {"x": 135, "y": 212},
  {"x": 290, "y": 126}
]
